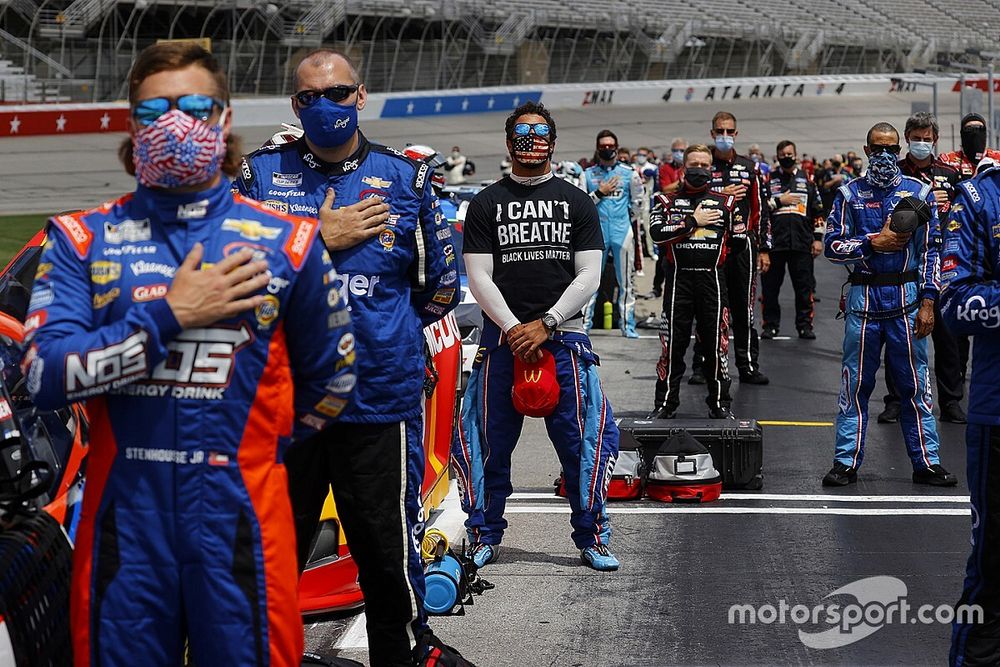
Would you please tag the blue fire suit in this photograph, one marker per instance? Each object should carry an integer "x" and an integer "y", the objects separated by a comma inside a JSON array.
[
  {"x": 395, "y": 284},
  {"x": 619, "y": 213},
  {"x": 185, "y": 526},
  {"x": 881, "y": 308},
  {"x": 970, "y": 262},
  {"x": 582, "y": 429}
]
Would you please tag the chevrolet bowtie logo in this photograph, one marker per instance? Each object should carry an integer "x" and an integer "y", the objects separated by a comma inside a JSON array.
[{"x": 534, "y": 376}]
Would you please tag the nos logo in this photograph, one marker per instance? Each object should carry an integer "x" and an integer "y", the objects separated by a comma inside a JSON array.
[
  {"x": 203, "y": 357},
  {"x": 196, "y": 356}
]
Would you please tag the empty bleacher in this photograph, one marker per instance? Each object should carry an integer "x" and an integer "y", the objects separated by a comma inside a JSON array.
[{"x": 414, "y": 44}]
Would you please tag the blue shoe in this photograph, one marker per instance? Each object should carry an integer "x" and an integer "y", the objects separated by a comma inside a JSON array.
[
  {"x": 484, "y": 554},
  {"x": 630, "y": 333},
  {"x": 600, "y": 558}
]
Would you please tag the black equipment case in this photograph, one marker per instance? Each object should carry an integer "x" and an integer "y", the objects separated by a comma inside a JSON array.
[{"x": 736, "y": 446}]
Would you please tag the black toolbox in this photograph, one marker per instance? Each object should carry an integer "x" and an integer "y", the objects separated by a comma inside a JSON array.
[{"x": 736, "y": 446}]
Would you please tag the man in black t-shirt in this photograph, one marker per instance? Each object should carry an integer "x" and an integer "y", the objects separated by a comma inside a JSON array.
[{"x": 532, "y": 250}]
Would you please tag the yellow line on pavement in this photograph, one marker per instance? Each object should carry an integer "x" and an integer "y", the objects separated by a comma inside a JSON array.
[{"x": 781, "y": 423}]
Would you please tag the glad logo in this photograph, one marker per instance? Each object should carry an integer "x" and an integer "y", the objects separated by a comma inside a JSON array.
[
  {"x": 341, "y": 122},
  {"x": 149, "y": 292},
  {"x": 976, "y": 310}
]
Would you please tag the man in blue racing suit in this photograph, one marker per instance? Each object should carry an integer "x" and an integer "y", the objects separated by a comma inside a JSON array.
[
  {"x": 894, "y": 284},
  {"x": 203, "y": 333},
  {"x": 617, "y": 190},
  {"x": 971, "y": 305},
  {"x": 394, "y": 253}
]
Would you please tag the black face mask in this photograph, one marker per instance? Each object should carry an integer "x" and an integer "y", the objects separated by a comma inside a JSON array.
[
  {"x": 974, "y": 142},
  {"x": 835, "y": 165},
  {"x": 786, "y": 161},
  {"x": 697, "y": 177},
  {"x": 607, "y": 154}
]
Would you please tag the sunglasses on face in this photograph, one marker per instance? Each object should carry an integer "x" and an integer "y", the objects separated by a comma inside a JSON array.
[
  {"x": 524, "y": 129},
  {"x": 307, "y": 98},
  {"x": 199, "y": 107},
  {"x": 884, "y": 148},
  {"x": 725, "y": 130}
]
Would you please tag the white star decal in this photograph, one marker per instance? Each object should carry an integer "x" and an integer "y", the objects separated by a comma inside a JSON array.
[
  {"x": 465, "y": 104},
  {"x": 489, "y": 103},
  {"x": 437, "y": 106},
  {"x": 105, "y": 121},
  {"x": 409, "y": 107},
  {"x": 15, "y": 125},
  {"x": 61, "y": 123}
]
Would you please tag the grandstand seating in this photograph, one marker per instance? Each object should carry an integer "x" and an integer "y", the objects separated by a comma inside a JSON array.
[{"x": 794, "y": 36}]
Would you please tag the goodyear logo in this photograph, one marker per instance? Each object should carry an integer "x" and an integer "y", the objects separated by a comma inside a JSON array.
[
  {"x": 251, "y": 230},
  {"x": 103, "y": 272},
  {"x": 954, "y": 226}
]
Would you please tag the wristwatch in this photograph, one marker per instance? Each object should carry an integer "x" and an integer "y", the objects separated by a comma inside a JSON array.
[{"x": 550, "y": 322}]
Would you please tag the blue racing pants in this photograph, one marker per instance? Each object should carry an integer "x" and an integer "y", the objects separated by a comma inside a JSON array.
[
  {"x": 623, "y": 255},
  {"x": 979, "y": 643},
  {"x": 582, "y": 430},
  {"x": 870, "y": 325}
]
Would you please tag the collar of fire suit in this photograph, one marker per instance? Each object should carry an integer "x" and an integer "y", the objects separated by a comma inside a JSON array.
[
  {"x": 911, "y": 168},
  {"x": 530, "y": 181},
  {"x": 721, "y": 160},
  {"x": 187, "y": 207},
  {"x": 347, "y": 165}
]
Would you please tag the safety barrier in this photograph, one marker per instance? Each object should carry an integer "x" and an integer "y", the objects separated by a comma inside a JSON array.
[{"x": 54, "y": 119}]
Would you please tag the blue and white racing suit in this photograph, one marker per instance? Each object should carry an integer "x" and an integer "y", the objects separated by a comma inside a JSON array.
[
  {"x": 970, "y": 265},
  {"x": 582, "y": 430},
  {"x": 881, "y": 309},
  {"x": 618, "y": 212}
]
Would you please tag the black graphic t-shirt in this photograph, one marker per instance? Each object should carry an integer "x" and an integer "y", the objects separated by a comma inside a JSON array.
[{"x": 532, "y": 233}]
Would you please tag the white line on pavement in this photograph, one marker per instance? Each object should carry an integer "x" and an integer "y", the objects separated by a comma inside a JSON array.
[
  {"x": 792, "y": 497},
  {"x": 356, "y": 636},
  {"x": 693, "y": 510}
]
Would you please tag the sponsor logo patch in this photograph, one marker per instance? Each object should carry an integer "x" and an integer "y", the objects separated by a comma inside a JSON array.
[
  {"x": 128, "y": 231},
  {"x": 143, "y": 293},
  {"x": 345, "y": 345},
  {"x": 267, "y": 312},
  {"x": 376, "y": 182},
  {"x": 142, "y": 268},
  {"x": 388, "y": 239},
  {"x": 193, "y": 211},
  {"x": 103, "y": 272},
  {"x": 286, "y": 180},
  {"x": 252, "y": 230},
  {"x": 275, "y": 205},
  {"x": 101, "y": 300}
]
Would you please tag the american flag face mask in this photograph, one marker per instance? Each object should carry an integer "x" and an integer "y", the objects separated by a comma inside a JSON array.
[
  {"x": 177, "y": 150},
  {"x": 530, "y": 149}
]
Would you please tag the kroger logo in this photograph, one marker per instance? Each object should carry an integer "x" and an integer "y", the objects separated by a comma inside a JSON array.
[{"x": 976, "y": 310}]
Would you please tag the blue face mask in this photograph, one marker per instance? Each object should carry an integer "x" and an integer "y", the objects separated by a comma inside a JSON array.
[
  {"x": 883, "y": 171},
  {"x": 921, "y": 150},
  {"x": 725, "y": 142},
  {"x": 678, "y": 156},
  {"x": 328, "y": 124}
]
